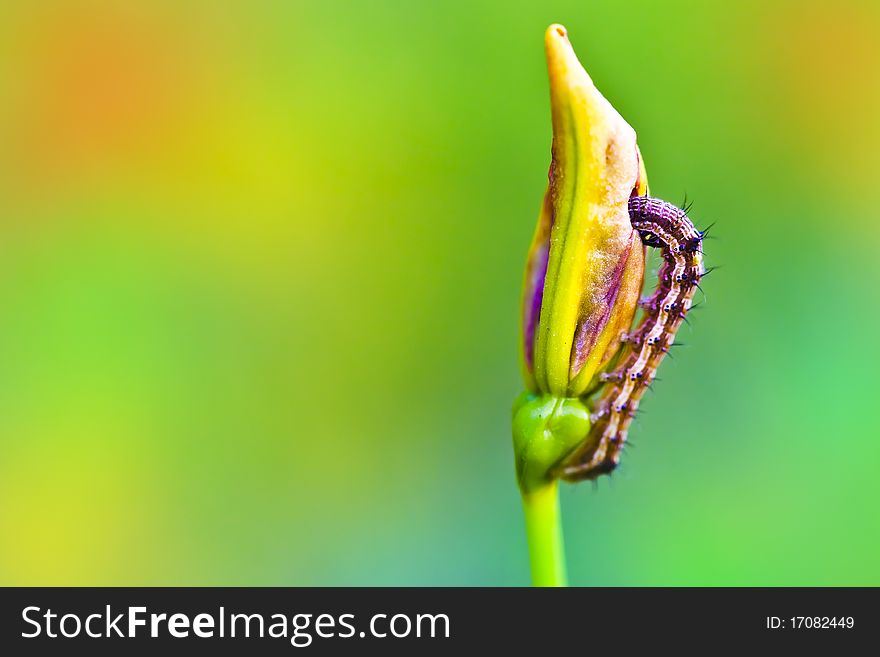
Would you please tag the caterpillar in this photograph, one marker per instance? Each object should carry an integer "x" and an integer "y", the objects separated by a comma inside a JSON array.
[{"x": 664, "y": 226}]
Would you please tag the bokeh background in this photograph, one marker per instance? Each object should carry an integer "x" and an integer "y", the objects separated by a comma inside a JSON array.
[{"x": 259, "y": 284}]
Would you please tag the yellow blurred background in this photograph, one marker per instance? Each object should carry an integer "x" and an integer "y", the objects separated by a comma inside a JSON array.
[{"x": 259, "y": 282}]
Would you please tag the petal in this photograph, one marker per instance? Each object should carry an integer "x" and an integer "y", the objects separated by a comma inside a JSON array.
[
  {"x": 594, "y": 169},
  {"x": 597, "y": 339}
]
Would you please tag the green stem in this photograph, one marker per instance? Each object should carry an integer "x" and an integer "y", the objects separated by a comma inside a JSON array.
[{"x": 544, "y": 531}]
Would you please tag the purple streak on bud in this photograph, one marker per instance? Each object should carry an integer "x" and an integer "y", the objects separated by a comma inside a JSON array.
[
  {"x": 590, "y": 327},
  {"x": 538, "y": 272}
]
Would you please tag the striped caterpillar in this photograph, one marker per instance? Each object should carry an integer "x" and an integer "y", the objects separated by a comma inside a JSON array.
[{"x": 667, "y": 227}]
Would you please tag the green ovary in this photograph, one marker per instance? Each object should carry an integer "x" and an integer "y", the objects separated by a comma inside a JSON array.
[{"x": 546, "y": 428}]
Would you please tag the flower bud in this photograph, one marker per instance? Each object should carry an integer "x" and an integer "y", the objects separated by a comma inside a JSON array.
[
  {"x": 584, "y": 270},
  {"x": 586, "y": 263}
]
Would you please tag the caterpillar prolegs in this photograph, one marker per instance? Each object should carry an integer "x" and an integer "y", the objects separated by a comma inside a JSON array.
[{"x": 666, "y": 227}]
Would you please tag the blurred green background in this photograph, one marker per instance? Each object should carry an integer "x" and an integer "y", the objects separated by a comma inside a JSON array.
[{"x": 260, "y": 267}]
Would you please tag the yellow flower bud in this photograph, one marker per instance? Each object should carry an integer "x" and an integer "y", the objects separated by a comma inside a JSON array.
[{"x": 586, "y": 263}]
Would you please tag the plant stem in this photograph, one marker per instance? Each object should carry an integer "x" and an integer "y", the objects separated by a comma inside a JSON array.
[{"x": 544, "y": 532}]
